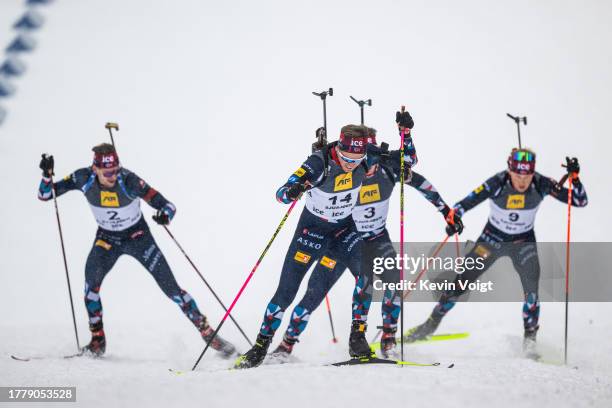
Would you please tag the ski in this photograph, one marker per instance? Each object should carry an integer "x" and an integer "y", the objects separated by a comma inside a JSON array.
[
  {"x": 26, "y": 359},
  {"x": 432, "y": 338},
  {"x": 18, "y": 358},
  {"x": 376, "y": 360}
]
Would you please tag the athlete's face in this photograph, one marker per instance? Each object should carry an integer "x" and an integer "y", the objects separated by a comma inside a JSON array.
[
  {"x": 107, "y": 177},
  {"x": 520, "y": 182},
  {"x": 349, "y": 161}
]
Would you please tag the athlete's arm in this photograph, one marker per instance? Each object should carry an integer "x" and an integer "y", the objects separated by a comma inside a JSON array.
[
  {"x": 137, "y": 187},
  {"x": 410, "y": 155},
  {"x": 549, "y": 186},
  {"x": 427, "y": 190},
  {"x": 423, "y": 186},
  {"x": 488, "y": 189},
  {"x": 309, "y": 173},
  {"x": 74, "y": 181}
]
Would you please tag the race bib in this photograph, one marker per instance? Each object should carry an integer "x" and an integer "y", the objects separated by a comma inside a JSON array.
[
  {"x": 371, "y": 217},
  {"x": 117, "y": 218},
  {"x": 513, "y": 220},
  {"x": 331, "y": 206}
]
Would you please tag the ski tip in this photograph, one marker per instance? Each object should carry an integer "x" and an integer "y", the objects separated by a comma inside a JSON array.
[
  {"x": 177, "y": 372},
  {"x": 451, "y": 365},
  {"x": 19, "y": 358}
]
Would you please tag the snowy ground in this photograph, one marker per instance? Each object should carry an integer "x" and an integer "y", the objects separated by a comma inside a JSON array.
[
  {"x": 488, "y": 366},
  {"x": 215, "y": 111}
]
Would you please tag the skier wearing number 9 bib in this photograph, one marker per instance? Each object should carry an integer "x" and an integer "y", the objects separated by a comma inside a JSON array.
[
  {"x": 114, "y": 195},
  {"x": 515, "y": 196},
  {"x": 331, "y": 179}
]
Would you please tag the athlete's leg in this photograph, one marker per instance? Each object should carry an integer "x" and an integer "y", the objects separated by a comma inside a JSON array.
[
  {"x": 325, "y": 274},
  {"x": 525, "y": 260},
  {"x": 309, "y": 241},
  {"x": 100, "y": 261},
  {"x": 142, "y": 246}
]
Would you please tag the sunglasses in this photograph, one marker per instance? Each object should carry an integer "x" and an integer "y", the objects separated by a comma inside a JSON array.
[
  {"x": 110, "y": 173},
  {"x": 348, "y": 159},
  {"x": 522, "y": 156}
]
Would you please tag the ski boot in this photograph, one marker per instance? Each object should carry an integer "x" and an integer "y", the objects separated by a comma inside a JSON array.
[
  {"x": 97, "y": 345},
  {"x": 225, "y": 348},
  {"x": 256, "y": 355},
  {"x": 529, "y": 344},
  {"x": 358, "y": 345},
  {"x": 423, "y": 331},
  {"x": 282, "y": 353},
  {"x": 388, "y": 342}
]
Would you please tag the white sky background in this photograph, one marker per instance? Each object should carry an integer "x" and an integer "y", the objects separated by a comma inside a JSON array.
[{"x": 214, "y": 105}]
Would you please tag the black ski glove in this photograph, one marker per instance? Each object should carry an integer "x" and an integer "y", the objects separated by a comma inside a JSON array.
[
  {"x": 321, "y": 139},
  {"x": 46, "y": 165},
  {"x": 295, "y": 191},
  {"x": 161, "y": 217},
  {"x": 165, "y": 214},
  {"x": 572, "y": 166},
  {"x": 454, "y": 224},
  {"x": 404, "y": 120},
  {"x": 377, "y": 154}
]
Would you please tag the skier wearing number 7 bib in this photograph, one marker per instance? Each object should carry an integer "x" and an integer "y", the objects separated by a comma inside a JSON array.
[
  {"x": 514, "y": 195},
  {"x": 331, "y": 179},
  {"x": 114, "y": 195}
]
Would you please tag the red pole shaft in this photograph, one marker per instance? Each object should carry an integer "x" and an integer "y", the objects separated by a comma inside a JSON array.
[
  {"x": 567, "y": 262},
  {"x": 246, "y": 282},
  {"x": 331, "y": 321}
]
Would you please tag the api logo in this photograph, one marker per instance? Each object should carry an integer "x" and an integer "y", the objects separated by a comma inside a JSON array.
[
  {"x": 368, "y": 194},
  {"x": 515, "y": 201},
  {"x": 109, "y": 199},
  {"x": 343, "y": 182}
]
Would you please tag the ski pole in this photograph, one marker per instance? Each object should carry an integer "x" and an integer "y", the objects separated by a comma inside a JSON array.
[
  {"x": 402, "y": 164},
  {"x": 518, "y": 120},
  {"x": 322, "y": 132},
  {"x": 457, "y": 244},
  {"x": 246, "y": 282},
  {"x": 418, "y": 277},
  {"x": 319, "y": 144},
  {"x": 323, "y": 95},
  {"x": 567, "y": 262},
  {"x": 59, "y": 227},
  {"x": 195, "y": 268},
  {"x": 331, "y": 321},
  {"x": 361, "y": 104},
  {"x": 110, "y": 126}
]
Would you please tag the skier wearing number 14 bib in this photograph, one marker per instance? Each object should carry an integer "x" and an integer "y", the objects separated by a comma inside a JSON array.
[
  {"x": 331, "y": 179},
  {"x": 114, "y": 195},
  {"x": 370, "y": 216}
]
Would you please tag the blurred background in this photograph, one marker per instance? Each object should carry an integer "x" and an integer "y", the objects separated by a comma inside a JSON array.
[{"x": 215, "y": 110}]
